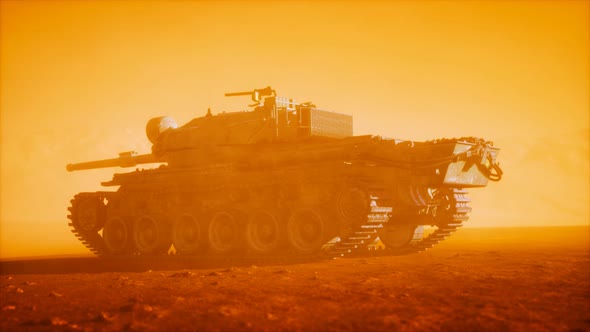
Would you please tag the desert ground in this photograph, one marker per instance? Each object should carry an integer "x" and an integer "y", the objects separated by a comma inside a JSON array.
[{"x": 521, "y": 279}]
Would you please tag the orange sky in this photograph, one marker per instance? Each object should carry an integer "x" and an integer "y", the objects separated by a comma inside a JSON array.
[{"x": 79, "y": 80}]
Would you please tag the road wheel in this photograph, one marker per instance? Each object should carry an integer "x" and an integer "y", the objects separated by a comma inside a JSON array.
[
  {"x": 223, "y": 233},
  {"x": 187, "y": 235},
  {"x": 116, "y": 236},
  {"x": 397, "y": 235},
  {"x": 150, "y": 236},
  {"x": 305, "y": 230},
  {"x": 262, "y": 232},
  {"x": 353, "y": 204}
]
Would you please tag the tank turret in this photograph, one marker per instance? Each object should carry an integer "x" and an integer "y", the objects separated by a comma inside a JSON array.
[{"x": 272, "y": 119}]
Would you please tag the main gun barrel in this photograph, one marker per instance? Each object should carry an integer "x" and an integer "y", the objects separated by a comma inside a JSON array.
[{"x": 126, "y": 159}]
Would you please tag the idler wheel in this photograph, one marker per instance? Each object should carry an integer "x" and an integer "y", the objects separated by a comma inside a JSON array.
[
  {"x": 397, "y": 235},
  {"x": 149, "y": 235},
  {"x": 116, "y": 236},
  {"x": 91, "y": 214},
  {"x": 223, "y": 233},
  {"x": 186, "y": 234},
  {"x": 305, "y": 230},
  {"x": 262, "y": 232}
]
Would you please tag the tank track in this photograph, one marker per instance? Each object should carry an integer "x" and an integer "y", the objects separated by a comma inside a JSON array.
[
  {"x": 357, "y": 241},
  {"x": 449, "y": 223},
  {"x": 90, "y": 238},
  {"x": 354, "y": 243}
]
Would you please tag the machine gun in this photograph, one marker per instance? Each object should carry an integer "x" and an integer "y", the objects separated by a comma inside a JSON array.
[{"x": 257, "y": 95}]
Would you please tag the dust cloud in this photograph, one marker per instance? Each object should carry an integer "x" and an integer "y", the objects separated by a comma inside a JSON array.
[{"x": 79, "y": 80}]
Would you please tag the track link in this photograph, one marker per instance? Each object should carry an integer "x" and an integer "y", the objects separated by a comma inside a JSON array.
[
  {"x": 362, "y": 235},
  {"x": 449, "y": 223}
]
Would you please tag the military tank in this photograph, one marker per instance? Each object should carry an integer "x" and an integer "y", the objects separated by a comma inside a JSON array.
[{"x": 283, "y": 177}]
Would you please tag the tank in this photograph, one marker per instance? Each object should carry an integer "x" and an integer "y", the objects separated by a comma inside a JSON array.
[{"x": 282, "y": 178}]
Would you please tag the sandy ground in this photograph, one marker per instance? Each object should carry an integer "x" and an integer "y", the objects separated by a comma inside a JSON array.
[{"x": 534, "y": 279}]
